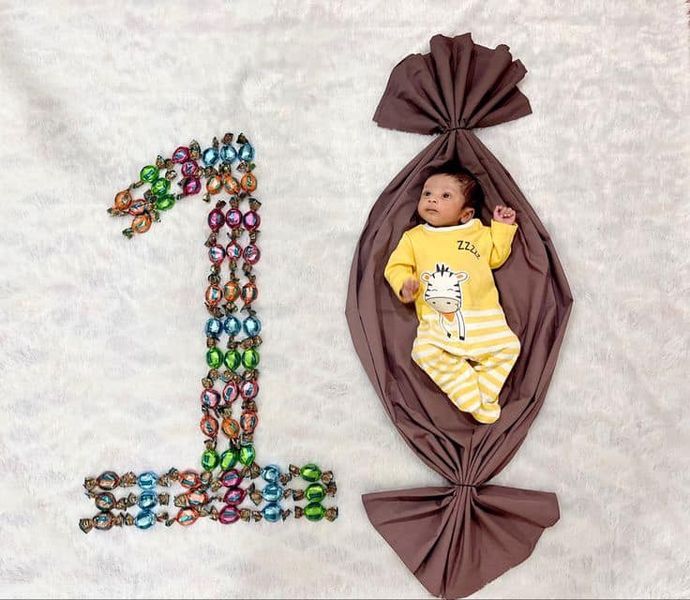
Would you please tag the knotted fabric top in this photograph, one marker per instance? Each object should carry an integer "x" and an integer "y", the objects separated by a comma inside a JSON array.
[{"x": 458, "y": 85}]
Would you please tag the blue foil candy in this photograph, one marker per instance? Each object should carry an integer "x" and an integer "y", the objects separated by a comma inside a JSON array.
[
  {"x": 210, "y": 156},
  {"x": 271, "y": 512},
  {"x": 147, "y": 480},
  {"x": 252, "y": 326},
  {"x": 214, "y": 327},
  {"x": 272, "y": 492},
  {"x": 145, "y": 519},
  {"x": 147, "y": 499},
  {"x": 228, "y": 154},
  {"x": 246, "y": 152},
  {"x": 270, "y": 473},
  {"x": 232, "y": 325}
]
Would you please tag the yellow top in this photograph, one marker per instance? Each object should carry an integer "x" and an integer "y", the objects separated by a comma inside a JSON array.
[{"x": 453, "y": 265}]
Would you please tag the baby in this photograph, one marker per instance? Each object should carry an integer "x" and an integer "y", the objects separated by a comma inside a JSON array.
[{"x": 463, "y": 341}]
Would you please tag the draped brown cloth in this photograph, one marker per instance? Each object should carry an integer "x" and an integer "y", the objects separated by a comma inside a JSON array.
[{"x": 458, "y": 537}]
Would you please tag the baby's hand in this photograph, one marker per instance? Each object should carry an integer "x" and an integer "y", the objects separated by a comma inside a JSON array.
[
  {"x": 503, "y": 214},
  {"x": 409, "y": 289}
]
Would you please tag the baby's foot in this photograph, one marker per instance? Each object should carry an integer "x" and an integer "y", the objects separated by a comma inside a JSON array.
[
  {"x": 469, "y": 406},
  {"x": 488, "y": 412}
]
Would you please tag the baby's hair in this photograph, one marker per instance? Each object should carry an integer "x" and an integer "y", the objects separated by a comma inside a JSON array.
[{"x": 474, "y": 196}]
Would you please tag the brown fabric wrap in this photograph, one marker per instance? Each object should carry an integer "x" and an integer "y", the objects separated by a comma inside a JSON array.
[{"x": 457, "y": 538}]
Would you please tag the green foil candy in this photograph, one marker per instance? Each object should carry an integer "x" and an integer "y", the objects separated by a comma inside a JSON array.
[
  {"x": 247, "y": 455},
  {"x": 314, "y": 511},
  {"x": 160, "y": 187},
  {"x": 315, "y": 492},
  {"x": 228, "y": 459},
  {"x": 209, "y": 460},
  {"x": 310, "y": 472},
  {"x": 149, "y": 174},
  {"x": 214, "y": 357},
  {"x": 165, "y": 202},
  {"x": 250, "y": 358},
  {"x": 233, "y": 358}
]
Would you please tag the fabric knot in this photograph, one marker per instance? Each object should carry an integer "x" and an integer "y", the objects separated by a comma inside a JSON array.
[
  {"x": 465, "y": 485},
  {"x": 447, "y": 129}
]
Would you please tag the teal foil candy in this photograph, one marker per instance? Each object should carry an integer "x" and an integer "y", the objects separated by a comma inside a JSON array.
[
  {"x": 145, "y": 519},
  {"x": 147, "y": 480},
  {"x": 246, "y": 152},
  {"x": 228, "y": 153},
  {"x": 148, "y": 499},
  {"x": 232, "y": 325},
  {"x": 271, "y": 512},
  {"x": 252, "y": 326},
  {"x": 214, "y": 327},
  {"x": 272, "y": 492},
  {"x": 210, "y": 156},
  {"x": 270, "y": 473}
]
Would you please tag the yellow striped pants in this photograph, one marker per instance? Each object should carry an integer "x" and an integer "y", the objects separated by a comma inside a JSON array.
[{"x": 470, "y": 372}]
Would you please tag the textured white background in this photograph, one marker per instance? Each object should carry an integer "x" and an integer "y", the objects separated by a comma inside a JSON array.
[{"x": 102, "y": 345}]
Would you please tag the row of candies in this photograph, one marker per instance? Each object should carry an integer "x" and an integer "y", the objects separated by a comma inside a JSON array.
[{"x": 203, "y": 490}]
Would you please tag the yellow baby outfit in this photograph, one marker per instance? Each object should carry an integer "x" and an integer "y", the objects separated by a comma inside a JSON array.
[{"x": 463, "y": 341}]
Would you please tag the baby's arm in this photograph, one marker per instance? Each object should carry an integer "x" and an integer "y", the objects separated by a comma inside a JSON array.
[
  {"x": 401, "y": 267},
  {"x": 502, "y": 235}
]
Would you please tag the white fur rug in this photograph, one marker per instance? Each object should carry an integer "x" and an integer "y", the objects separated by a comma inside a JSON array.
[{"x": 102, "y": 343}]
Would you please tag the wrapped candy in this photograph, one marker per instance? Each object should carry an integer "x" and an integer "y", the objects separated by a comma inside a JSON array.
[
  {"x": 216, "y": 218},
  {"x": 190, "y": 169},
  {"x": 181, "y": 154},
  {"x": 231, "y": 428},
  {"x": 209, "y": 426},
  {"x": 229, "y": 514},
  {"x": 187, "y": 516},
  {"x": 232, "y": 186},
  {"x": 189, "y": 479},
  {"x": 231, "y": 478},
  {"x": 122, "y": 200}
]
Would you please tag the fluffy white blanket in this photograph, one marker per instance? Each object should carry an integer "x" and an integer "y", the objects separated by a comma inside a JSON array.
[{"x": 102, "y": 343}]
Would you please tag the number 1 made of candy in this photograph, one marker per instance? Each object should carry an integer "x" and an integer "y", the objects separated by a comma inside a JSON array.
[{"x": 228, "y": 485}]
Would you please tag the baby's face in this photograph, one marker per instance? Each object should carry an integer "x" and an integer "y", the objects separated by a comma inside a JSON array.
[{"x": 442, "y": 201}]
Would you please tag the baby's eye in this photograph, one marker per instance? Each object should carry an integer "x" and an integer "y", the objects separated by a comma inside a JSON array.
[
  {"x": 427, "y": 193},
  {"x": 446, "y": 195}
]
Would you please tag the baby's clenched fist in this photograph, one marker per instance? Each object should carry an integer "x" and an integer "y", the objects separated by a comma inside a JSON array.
[
  {"x": 409, "y": 289},
  {"x": 503, "y": 214}
]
